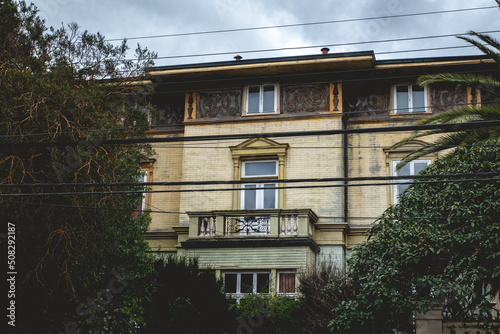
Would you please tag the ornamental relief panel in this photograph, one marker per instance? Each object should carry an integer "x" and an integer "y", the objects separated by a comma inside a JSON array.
[
  {"x": 223, "y": 104},
  {"x": 445, "y": 97},
  {"x": 305, "y": 98},
  {"x": 376, "y": 103}
]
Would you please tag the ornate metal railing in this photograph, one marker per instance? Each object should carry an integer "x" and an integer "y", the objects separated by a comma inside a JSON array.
[
  {"x": 264, "y": 223},
  {"x": 248, "y": 225}
]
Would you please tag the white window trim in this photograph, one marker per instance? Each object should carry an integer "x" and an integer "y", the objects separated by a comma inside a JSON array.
[
  {"x": 278, "y": 283},
  {"x": 412, "y": 173},
  {"x": 260, "y": 187},
  {"x": 410, "y": 99},
  {"x": 261, "y": 99},
  {"x": 259, "y": 195},
  {"x": 238, "y": 294},
  {"x": 143, "y": 179}
]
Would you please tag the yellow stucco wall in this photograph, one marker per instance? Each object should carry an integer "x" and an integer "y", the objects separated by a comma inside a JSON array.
[{"x": 307, "y": 157}]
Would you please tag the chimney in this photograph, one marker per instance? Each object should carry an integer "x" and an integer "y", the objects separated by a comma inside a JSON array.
[
  {"x": 238, "y": 57},
  {"x": 325, "y": 50}
]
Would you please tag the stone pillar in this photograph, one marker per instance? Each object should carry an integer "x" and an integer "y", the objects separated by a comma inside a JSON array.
[{"x": 430, "y": 322}]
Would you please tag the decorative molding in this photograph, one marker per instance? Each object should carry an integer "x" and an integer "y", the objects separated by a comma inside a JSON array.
[
  {"x": 169, "y": 117},
  {"x": 305, "y": 98},
  {"x": 221, "y": 104},
  {"x": 447, "y": 96},
  {"x": 370, "y": 104}
]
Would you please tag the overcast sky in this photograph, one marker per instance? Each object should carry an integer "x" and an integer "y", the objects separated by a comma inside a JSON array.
[{"x": 130, "y": 19}]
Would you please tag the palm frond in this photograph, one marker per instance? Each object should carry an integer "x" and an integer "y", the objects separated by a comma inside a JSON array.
[
  {"x": 460, "y": 138},
  {"x": 486, "y": 50},
  {"x": 463, "y": 137},
  {"x": 465, "y": 79},
  {"x": 489, "y": 40}
]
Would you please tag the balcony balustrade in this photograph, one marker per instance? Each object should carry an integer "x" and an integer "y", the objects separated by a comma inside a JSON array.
[{"x": 252, "y": 223}]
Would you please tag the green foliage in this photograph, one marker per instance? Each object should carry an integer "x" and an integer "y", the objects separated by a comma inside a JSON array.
[
  {"x": 438, "y": 245},
  {"x": 489, "y": 110},
  {"x": 67, "y": 86},
  {"x": 263, "y": 314},
  {"x": 186, "y": 299},
  {"x": 322, "y": 291}
]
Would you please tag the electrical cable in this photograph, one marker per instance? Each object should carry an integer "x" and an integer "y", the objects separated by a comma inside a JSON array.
[
  {"x": 301, "y": 24},
  {"x": 409, "y": 182},
  {"x": 452, "y": 127},
  {"x": 253, "y": 180}
]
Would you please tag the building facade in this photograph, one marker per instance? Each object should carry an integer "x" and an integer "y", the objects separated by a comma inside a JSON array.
[{"x": 291, "y": 139}]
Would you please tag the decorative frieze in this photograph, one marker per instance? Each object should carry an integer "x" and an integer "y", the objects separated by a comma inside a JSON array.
[
  {"x": 447, "y": 96},
  {"x": 305, "y": 99},
  {"x": 376, "y": 103},
  {"x": 223, "y": 104},
  {"x": 167, "y": 117}
]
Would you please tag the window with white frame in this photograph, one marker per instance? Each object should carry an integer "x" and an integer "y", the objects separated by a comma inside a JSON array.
[
  {"x": 409, "y": 98},
  {"x": 259, "y": 195},
  {"x": 237, "y": 284},
  {"x": 412, "y": 168},
  {"x": 287, "y": 282},
  {"x": 261, "y": 99}
]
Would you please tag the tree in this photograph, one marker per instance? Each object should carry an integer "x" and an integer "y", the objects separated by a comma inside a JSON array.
[
  {"x": 489, "y": 110},
  {"x": 439, "y": 245},
  {"x": 81, "y": 259},
  {"x": 186, "y": 299}
]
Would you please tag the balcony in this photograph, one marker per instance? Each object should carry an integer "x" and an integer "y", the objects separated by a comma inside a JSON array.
[{"x": 270, "y": 223}]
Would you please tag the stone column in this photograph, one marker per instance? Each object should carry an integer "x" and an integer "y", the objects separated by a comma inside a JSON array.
[{"x": 430, "y": 322}]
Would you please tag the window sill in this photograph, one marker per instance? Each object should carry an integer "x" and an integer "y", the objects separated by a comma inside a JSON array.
[
  {"x": 411, "y": 113},
  {"x": 260, "y": 114}
]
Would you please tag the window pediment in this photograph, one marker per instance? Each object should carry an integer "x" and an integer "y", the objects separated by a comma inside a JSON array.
[{"x": 259, "y": 147}]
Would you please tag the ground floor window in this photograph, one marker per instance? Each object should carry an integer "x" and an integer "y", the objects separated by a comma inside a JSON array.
[
  {"x": 239, "y": 284},
  {"x": 287, "y": 282}
]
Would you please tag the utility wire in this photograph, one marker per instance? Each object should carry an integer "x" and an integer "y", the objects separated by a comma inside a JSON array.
[
  {"x": 301, "y": 24},
  {"x": 409, "y": 182},
  {"x": 319, "y": 46},
  {"x": 443, "y": 127},
  {"x": 253, "y": 180}
]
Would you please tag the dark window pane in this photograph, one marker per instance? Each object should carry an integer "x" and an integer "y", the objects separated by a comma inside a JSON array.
[
  {"x": 253, "y": 99},
  {"x": 405, "y": 171},
  {"x": 269, "y": 196},
  {"x": 402, "y": 187},
  {"x": 263, "y": 283},
  {"x": 418, "y": 167},
  {"x": 230, "y": 283},
  {"x": 268, "y": 99},
  {"x": 402, "y": 99},
  {"x": 246, "y": 283},
  {"x": 250, "y": 197},
  {"x": 418, "y": 100},
  {"x": 260, "y": 168}
]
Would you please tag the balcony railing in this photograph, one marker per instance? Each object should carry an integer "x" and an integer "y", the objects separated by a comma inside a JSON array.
[{"x": 252, "y": 223}]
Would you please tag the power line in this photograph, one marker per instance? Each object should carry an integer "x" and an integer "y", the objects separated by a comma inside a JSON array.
[
  {"x": 301, "y": 24},
  {"x": 228, "y": 182},
  {"x": 409, "y": 182},
  {"x": 443, "y": 127},
  {"x": 319, "y": 46}
]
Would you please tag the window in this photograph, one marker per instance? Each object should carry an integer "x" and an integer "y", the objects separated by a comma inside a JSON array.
[
  {"x": 287, "y": 282},
  {"x": 259, "y": 195},
  {"x": 237, "y": 284},
  {"x": 143, "y": 178},
  {"x": 412, "y": 168},
  {"x": 261, "y": 99},
  {"x": 409, "y": 98}
]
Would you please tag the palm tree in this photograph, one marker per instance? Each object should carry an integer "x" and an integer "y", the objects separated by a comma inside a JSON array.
[{"x": 485, "y": 112}]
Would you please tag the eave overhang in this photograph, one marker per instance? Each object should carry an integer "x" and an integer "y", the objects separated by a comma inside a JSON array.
[{"x": 268, "y": 66}]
